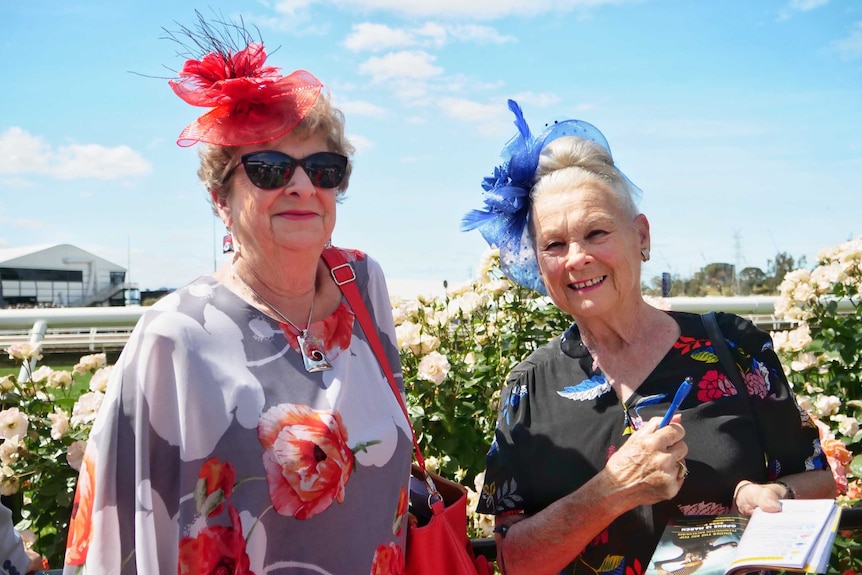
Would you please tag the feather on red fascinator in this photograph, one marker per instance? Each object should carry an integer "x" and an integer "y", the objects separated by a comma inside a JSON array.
[{"x": 251, "y": 102}]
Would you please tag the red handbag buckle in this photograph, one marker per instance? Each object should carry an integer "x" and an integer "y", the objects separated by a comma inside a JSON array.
[{"x": 343, "y": 274}]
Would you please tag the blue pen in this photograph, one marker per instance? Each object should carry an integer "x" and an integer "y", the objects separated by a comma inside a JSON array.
[{"x": 683, "y": 390}]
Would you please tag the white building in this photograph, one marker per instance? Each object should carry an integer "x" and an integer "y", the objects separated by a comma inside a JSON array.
[{"x": 62, "y": 275}]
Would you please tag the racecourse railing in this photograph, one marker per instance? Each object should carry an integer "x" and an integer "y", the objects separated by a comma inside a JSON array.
[{"x": 98, "y": 329}]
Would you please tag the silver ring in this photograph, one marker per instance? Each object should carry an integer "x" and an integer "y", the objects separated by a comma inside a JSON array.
[{"x": 683, "y": 470}]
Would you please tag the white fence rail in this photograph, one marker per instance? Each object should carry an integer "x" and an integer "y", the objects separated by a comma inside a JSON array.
[{"x": 97, "y": 329}]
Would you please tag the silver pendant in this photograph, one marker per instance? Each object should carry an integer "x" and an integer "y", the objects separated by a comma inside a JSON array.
[{"x": 312, "y": 353}]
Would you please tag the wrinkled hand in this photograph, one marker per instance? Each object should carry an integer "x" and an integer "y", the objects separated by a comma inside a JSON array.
[
  {"x": 37, "y": 563},
  {"x": 647, "y": 466},
  {"x": 750, "y": 496}
]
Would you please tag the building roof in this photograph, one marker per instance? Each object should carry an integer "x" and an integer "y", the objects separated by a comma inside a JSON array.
[{"x": 52, "y": 255}]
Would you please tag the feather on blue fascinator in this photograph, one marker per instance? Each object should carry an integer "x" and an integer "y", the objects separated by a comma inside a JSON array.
[{"x": 503, "y": 221}]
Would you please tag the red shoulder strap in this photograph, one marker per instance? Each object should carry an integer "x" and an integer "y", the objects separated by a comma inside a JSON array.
[{"x": 345, "y": 277}]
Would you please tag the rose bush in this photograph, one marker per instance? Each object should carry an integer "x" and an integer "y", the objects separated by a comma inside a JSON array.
[
  {"x": 45, "y": 420},
  {"x": 822, "y": 357},
  {"x": 456, "y": 351}
]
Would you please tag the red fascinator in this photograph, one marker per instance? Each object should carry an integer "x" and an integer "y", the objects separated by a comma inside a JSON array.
[{"x": 251, "y": 102}]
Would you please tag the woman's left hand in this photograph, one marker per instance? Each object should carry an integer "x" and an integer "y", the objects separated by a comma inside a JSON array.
[{"x": 750, "y": 496}]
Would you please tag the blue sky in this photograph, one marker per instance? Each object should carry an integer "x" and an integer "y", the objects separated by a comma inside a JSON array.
[{"x": 740, "y": 120}]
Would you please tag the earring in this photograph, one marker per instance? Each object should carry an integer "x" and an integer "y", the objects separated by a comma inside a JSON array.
[
  {"x": 645, "y": 254},
  {"x": 227, "y": 242},
  {"x": 328, "y": 243}
]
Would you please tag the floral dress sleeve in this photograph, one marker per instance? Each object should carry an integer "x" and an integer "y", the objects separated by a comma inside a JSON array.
[
  {"x": 789, "y": 438},
  {"x": 500, "y": 494}
]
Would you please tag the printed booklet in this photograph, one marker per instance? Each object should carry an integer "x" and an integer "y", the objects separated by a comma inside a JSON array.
[{"x": 798, "y": 538}]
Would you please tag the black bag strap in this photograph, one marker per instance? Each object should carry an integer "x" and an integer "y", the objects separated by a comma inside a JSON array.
[{"x": 722, "y": 350}]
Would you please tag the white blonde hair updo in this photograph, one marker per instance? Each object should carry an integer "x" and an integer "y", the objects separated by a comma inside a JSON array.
[{"x": 570, "y": 162}]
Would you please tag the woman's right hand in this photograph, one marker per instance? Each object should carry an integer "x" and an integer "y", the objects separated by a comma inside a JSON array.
[{"x": 649, "y": 467}]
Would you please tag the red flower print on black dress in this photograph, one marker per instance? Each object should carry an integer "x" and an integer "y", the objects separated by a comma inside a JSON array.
[
  {"x": 217, "y": 550},
  {"x": 713, "y": 385},
  {"x": 306, "y": 458}
]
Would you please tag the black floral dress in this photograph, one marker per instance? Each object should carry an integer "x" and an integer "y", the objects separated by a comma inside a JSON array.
[{"x": 559, "y": 421}]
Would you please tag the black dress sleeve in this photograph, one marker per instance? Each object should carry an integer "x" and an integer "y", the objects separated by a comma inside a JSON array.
[{"x": 789, "y": 438}]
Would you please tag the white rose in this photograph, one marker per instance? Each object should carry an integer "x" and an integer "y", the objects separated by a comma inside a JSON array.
[
  {"x": 434, "y": 367},
  {"x": 75, "y": 454},
  {"x": 847, "y": 426},
  {"x": 99, "y": 381},
  {"x": 407, "y": 335},
  {"x": 86, "y": 408},
  {"x": 13, "y": 422},
  {"x": 89, "y": 363},
  {"x": 59, "y": 423},
  {"x": 799, "y": 338},
  {"x": 9, "y": 484},
  {"x": 805, "y": 403},
  {"x": 803, "y": 361},
  {"x": 10, "y": 450},
  {"x": 826, "y": 405},
  {"x": 60, "y": 379},
  {"x": 41, "y": 374},
  {"x": 25, "y": 351},
  {"x": 7, "y": 383}
]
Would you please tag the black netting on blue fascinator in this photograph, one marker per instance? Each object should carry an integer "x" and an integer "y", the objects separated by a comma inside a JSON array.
[{"x": 503, "y": 221}]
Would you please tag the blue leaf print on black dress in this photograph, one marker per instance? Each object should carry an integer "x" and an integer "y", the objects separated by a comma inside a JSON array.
[{"x": 588, "y": 389}]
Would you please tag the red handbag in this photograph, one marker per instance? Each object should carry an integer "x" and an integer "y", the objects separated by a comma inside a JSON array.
[{"x": 441, "y": 546}]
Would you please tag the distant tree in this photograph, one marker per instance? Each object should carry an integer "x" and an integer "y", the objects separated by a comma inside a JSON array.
[
  {"x": 752, "y": 280},
  {"x": 779, "y": 267}
]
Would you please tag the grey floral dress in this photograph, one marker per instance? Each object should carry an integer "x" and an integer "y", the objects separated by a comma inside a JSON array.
[{"x": 216, "y": 452}]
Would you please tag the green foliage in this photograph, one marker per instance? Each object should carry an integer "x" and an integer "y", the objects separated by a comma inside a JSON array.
[
  {"x": 45, "y": 420},
  {"x": 456, "y": 352},
  {"x": 823, "y": 359}
]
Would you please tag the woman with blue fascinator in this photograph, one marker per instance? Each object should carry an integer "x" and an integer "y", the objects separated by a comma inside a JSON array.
[
  {"x": 248, "y": 426},
  {"x": 584, "y": 473}
]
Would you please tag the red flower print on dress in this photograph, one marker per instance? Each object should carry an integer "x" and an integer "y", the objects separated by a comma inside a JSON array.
[
  {"x": 388, "y": 560},
  {"x": 216, "y": 550},
  {"x": 704, "y": 508},
  {"x": 757, "y": 381},
  {"x": 214, "y": 486},
  {"x": 81, "y": 524},
  {"x": 713, "y": 385},
  {"x": 635, "y": 568},
  {"x": 687, "y": 344},
  {"x": 306, "y": 458},
  {"x": 600, "y": 539},
  {"x": 338, "y": 329}
]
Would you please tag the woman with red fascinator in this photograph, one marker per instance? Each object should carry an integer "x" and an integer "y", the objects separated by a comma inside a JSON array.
[{"x": 248, "y": 426}]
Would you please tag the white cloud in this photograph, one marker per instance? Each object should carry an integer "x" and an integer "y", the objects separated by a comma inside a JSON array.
[
  {"x": 534, "y": 100},
  {"x": 477, "y": 9},
  {"x": 370, "y": 37},
  {"x": 23, "y": 153},
  {"x": 469, "y": 111},
  {"x": 850, "y": 47},
  {"x": 405, "y": 65},
  {"x": 800, "y": 6},
  {"x": 361, "y": 143},
  {"x": 361, "y": 108}
]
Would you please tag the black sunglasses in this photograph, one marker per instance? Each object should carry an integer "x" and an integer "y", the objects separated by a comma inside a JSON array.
[{"x": 271, "y": 169}]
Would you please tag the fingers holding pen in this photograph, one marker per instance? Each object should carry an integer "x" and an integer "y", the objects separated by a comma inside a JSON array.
[{"x": 650, "y": 466}]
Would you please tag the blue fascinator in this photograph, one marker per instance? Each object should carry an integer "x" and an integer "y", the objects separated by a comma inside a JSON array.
[{"x": 503, "y": 221}]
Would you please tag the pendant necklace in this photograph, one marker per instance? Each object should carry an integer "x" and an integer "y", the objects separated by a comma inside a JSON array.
[{"x": 310, "y": 347}]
